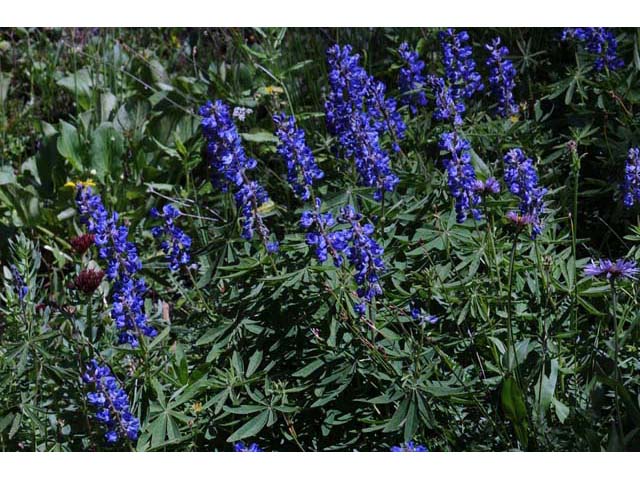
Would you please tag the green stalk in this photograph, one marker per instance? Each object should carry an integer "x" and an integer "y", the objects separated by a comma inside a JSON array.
[
  {"x": 510, "y": 339},
  {"x": 616, "y": 347}
]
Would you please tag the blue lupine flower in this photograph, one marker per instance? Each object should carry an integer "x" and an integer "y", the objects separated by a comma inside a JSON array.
[
  {"x": 383, "y": 112},
  {"x": 448, "y": 108},
  {"x": 621, "y": 268},
  {"x": 411, "y": 80},
  {"x": 372, "y": 162},
  {"x": 174, "y": 242},
  {"x": 358, "y": 114},
  {"x": 123, "y": 264},
  {"x": 522, "y": 180},
  {"x": 348, "y": 83},
  {"x": 417, "y": 314},
  {"x": 230, "y": 165},
  {"x": 600, "y": 42},
  {"x": 502, "y": 76},
  {"x": 409, "y": 447},
  {"x": 459, "y": 66},
  {"x": 18, "y": 282},
  {"x": 301, "y": 165},
  {"x": 111, "y": 402},
  {"x": 365, "y": 255},
  {"x": 461, "y": 176},
  {"x": 243, "y": 447},
  {"x": 320, "y": 235},
  {"x": 631, "y": 186}
]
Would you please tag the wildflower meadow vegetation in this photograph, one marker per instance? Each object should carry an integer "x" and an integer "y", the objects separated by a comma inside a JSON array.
[{"x": 255, "y": 240}]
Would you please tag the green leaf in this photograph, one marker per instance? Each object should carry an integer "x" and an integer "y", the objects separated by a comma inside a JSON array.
[
  {"x": 107, "y": 147},
  {"x": 69, "y": 145},
  {"x": 515, "y": 409},
  {"x": 308, "y": 369},
  {"x": 260, "y": 137},
  {"x": 251, "y": 428},
  {"x": 562, "y": 411},
  {"x": 254, "y": 363}
]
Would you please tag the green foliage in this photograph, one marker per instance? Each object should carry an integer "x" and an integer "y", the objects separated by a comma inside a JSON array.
[{"x": 267, "y": 348}]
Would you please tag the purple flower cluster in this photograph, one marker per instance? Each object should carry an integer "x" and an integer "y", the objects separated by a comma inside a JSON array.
[
  {"x": 461, "y": 176},
  {"x": 522, "y": 180},
  {"x": 243, "y": 447},
  {"x": 621, "y": 268},
  {"x": 631, "y": 186},
  {"x": 355, "y": 242},
  {"x": 459, "y": 66},
  {"x": 230, "y": 166},
  {"x": 18, "y": 283},
  {"x": 302, "y": 169},
  {"x": 174, "y": 242},
  {"x": 358, "y": 114},
  {"x": 320, "y": 235},
  {"x": 364, "y": 254},
  {"x": 123, "y": 265},
  {"x": 111, "y": 402},
  {"x": 409, "y": 447},
  {"x": 422, "y": 318},
  {"x": 448, "y": 108},
  {"x": 502, "y": 76},
  {"x": 598, "y": 41},
  {"x": 489, "y": 187},
  {"x": 411, "y": 80}
]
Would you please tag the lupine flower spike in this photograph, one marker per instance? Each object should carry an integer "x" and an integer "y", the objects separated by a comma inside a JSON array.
[
  {"x": 302, "y": 169},
  {"x": 461, "y": 176},
  {"x": 502, "y": 76},
  {"x": 459, "y": 66},
  {"x": 600, "y": 42},
  {"x": 174, "y": 242},
  {"x": 358, "y": 114},
  {"x": 522, "y": 180},
  {"x": 411, "y": 80},
  {"x": 230, "y": 167},
  {"x": 631, "y": 186},
  {"x": 123, "y": 265},
  {"x": 111, "y": 402}
]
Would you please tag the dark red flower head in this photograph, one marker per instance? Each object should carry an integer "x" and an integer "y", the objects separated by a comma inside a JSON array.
[
  {"x": 89, "y": 280},
  {"x": 82, "y": 243}
]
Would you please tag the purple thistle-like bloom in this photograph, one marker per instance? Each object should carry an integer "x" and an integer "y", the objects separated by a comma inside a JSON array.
[
  {"x": 411, "y": 80},
  {"x": 365, "y": 255},
  {"x": 461, "y": 176},
  {"x": 123, "y": 265},
  {"x": 489, "y": 187},
  {"x": 600, "y": 42},
  {"x": 522, "y": 180},
  {"x": 448, "y": 107},
  {"x": 18, "y": 282},
  {"x": 243, "y": 447},
  {"x": 409, "y": 447},
  {"x": 174, "y": 242},
  {"x": 111, "y": 402},
  {"x": 621, "y": 268},
  {"x": 502, "y": 76},
  {"x": 358, "y": 113},
  {"x": 301, "y": 165},
  {"x": 459, "y": 66},
  {"x": 321, "y": 237},
  {"x": 230, "y": 166},
  {"x": 631, "y": 186}
]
